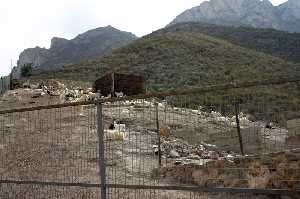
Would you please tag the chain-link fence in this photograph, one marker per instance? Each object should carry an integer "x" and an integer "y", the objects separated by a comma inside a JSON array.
[{"x": 203, "y": 143}]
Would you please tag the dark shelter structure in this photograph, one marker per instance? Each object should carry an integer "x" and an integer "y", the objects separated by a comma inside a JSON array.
[{"x": 115, "y": 82}]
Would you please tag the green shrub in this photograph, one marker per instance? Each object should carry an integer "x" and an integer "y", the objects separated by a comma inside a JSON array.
[{"x": 26, "y": 70}]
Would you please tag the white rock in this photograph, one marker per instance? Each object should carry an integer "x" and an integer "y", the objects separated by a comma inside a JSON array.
[
  {"x": 222, "y": 119},
  {"x": 194, "y": 157},
  {"x": 174, "y": 154},
  {"x": 229, "y": 156},
  {"x": 216, "y": 114},
  {"x": 195, "y": 111},
  {"x": 125, "y": 111}
]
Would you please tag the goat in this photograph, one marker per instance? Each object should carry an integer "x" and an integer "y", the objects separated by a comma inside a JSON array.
[
  {"x": 93, "y": 96},
  {"x": 119, "y": 94}
]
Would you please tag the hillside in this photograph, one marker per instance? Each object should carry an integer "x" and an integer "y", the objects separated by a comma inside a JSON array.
[
  {"x": 174, "y": 60},
  {"x": 254, "y": 13},
  {"x": 276, "y": 43},
  {"x": 89, "y": 45}
]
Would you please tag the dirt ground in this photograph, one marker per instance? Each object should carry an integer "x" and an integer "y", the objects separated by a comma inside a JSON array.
[{"x": 61, "y": 145}]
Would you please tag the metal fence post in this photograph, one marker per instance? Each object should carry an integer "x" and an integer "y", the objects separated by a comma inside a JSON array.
[
  {"x": 236, "y": 105},
  {"x": 102, "y": 164},
  {"x": 10, "y": 86},
  {"x": 1, "y": 86},
  {"x": 158, "y": 134}
]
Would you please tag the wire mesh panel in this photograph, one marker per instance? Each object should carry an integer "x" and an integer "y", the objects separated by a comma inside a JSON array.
[
  {"x": 125, "y": 193},
  {"x": 32, "y": 191},
  {"x": 50, "y": 145},
  {"x": 129, "y": 145},
  {"x": 168, "y": 146},
  {"x": 208, "y": 140}
]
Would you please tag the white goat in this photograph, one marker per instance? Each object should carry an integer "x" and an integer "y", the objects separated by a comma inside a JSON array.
[
  {"x": 119, "y": 94},
  {"x": 93, "y": 96}
]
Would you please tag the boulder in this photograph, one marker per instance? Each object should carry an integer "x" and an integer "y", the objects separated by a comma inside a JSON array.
[{"x": 174, "y": 154}]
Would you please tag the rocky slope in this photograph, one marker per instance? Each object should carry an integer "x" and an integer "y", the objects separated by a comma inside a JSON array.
[
  {"x": 290, "y": 15},
  {"x": 254, "y": 13},
  {"x": 273, "y": 171},
  {"x": 89, "y": 45}
]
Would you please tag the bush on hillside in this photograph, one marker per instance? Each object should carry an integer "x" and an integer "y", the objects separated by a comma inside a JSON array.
[{"x": 26, "y": 70}]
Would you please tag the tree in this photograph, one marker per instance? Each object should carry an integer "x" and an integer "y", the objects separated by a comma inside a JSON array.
[{"x": 26, "y": 70}]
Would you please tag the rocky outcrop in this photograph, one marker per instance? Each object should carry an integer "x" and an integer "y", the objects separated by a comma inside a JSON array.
[
  {"x": 36, "y": 56},
  {"x": 58, "y": 43},
  {"x": 254, "y": 13},
  {"x": 290, "y": 15},
  {"x": 89, "y": 45}
]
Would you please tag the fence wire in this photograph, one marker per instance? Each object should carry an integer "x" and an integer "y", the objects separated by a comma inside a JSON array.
[
  {"x": 154, "y": 144},
  {"x": 52, "y": 145}
]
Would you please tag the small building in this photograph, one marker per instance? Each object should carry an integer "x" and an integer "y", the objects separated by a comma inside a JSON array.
[{"x": 128, "y": 84}]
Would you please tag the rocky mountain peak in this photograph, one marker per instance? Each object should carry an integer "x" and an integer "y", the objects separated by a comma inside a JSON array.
[
  {"x": 293, "y": 2},
  {"x": 267, "y": 3},
  {"x": 290, "y": 15},
  {"x": 97, "y": 32},
  {"x": 35, "y": 56},
  {"x": 57, "y": 42},
  {"x": 253, "y": 13},
  {"x": 89, "y": 45}
]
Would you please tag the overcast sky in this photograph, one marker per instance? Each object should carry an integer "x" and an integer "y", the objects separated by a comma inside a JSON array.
[{"x": 33, "y": 23}]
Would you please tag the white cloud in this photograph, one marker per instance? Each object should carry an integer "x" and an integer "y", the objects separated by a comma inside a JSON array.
[{"x": 33, "y": 23}]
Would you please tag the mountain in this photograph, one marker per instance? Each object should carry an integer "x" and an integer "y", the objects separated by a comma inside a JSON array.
[
  {"x": 253, "y": 13},
  {"x": 290, "y": 15},
  {"x": 174, "y": 60},
  {"x": 276, "y": 43},
  {"x": 183, "y": 60},
  {"x": 89, "y": 45}
]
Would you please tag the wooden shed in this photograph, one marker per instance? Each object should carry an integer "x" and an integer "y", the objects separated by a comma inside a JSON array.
[{"x": 128, "y": 84}]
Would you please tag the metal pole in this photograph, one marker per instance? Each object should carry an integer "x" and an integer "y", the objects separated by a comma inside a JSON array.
[
  {"x": 113, "y": 85},
  {"x": 1, "y": 86},
  {"x": 158, "y": 134},
  {"x": 239, "y": 127},
  {"x": 102, "y": 164},
  {"x": 11, "y": 80}
]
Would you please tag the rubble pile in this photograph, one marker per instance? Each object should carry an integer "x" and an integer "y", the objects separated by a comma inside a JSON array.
[
  {"x": 180, "y": 152},
  {"x": 276, "y": 171},
  {"x": 43, "y": 93}
]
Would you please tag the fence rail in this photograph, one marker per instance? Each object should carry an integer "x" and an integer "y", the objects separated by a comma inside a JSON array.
[
  {"x": 161, "y": 145},
  {"x": 198, "y": 91},
  {"x": 146, "y": 187}
]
